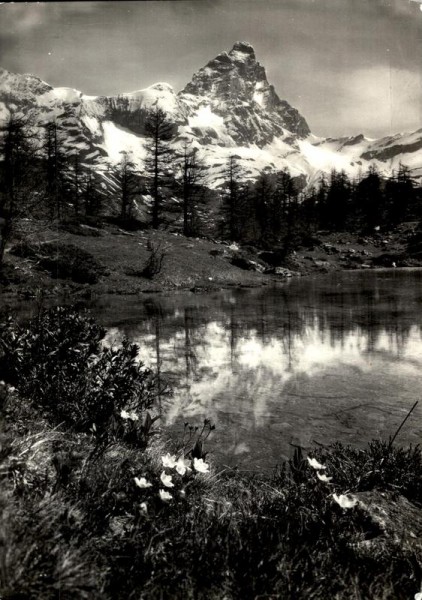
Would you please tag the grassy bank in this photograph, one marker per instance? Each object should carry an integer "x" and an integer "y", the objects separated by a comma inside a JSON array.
[
  {"x": 79, "y": 259},
  {"x": 98, "y": 503}
]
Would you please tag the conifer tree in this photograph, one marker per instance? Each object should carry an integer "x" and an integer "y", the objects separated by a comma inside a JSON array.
[
  {"x": 232, "y": 200},
  {"x": 193, "y": 179},
  {"x": 18, "y": 181},
  {"x": 128, "y": 184},
  {"x": 159, "y": 131},
  {"x": 264, "y": 203},
  {"x": 56, "y": 168},
  {"x": 400, "y": 195},
  {"x": 90, "y": 196},
  {"x": 369, "y": 200}
]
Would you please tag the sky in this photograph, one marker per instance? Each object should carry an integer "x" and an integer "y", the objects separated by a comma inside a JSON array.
[{"x": 349, "y": 66}]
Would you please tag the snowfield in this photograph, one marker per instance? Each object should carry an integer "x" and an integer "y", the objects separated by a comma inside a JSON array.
[{"x": 228, "y": 108}]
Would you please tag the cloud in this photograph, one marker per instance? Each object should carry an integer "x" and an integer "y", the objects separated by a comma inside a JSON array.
[
  {"x": 21, "y": 18},
  {"x": 381, "y": 100},
  {"x": 17, "y": 18}
]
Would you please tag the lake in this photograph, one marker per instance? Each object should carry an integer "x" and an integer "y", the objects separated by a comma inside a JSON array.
[{"x": 314, "y": 360}]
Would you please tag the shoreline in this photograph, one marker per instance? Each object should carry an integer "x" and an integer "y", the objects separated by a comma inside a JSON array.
[{"x": 198, "y": 265}]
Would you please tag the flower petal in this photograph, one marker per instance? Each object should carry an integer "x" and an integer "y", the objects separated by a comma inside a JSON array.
[
  {"x": 166, "y": 480},
  {"x": 200, "y": 466},
  {"x": 183, "y": 465},
  {"x": 165, "y": 495},
  {"x": 315, "y": 464},
  {"x": 168, "y": 461},
  {"x": 344, "y": 501},
  {"x": 132, "y": 416},
  {"x": 142, "y": 482},
  {"x": 323, "y": 477}
]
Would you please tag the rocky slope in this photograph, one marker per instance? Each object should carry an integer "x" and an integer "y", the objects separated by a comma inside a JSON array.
[{"x": 228, "y": 107}]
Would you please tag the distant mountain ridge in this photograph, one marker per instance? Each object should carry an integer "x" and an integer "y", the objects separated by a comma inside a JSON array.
[{"x": 228, "y": 107}]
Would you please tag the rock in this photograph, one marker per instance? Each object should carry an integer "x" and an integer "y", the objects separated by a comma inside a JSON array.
[
  {"x": 257, "y": 266},
  {"x": 283, "y": 272},
  {"x": 330, "y": 249},
  {"x": 322, "y": 264},
  {"x": 398, "y": 520},
  {"x": 244, "y": 263}
]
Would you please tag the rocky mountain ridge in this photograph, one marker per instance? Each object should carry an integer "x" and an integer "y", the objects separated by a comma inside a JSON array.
[{"x": 228, "y": 108}]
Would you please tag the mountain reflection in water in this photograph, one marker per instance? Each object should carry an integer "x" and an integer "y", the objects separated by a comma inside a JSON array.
[{"x": 314, "y": 360}]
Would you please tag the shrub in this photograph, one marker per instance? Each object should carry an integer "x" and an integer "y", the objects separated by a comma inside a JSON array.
[
  {"x": 60, "y": 364},
  {"x": 64, "y": 261},
  {"x": 154, "y": 263}
]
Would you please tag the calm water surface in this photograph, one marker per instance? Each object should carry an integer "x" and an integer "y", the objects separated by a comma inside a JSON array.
[{"x": 316, "y": 360}]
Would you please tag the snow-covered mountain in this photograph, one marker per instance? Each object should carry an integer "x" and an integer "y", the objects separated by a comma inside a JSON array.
[{"x": 228, "y": 108}]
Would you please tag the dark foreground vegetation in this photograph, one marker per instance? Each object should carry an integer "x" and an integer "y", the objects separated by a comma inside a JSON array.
[{"x": 88, "y": 509}]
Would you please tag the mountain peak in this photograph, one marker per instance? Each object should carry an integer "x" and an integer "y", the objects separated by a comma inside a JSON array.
[
  {"x": 242, "y": 51},
  {"x": 235, "y": 85}
]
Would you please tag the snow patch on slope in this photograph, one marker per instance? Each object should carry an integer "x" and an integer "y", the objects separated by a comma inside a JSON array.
[
  {"x": 66, "y": 94},
  {"x": 118, "y": 140},
  {"x": 204, "y": 117},
  {"x": 258, "y": 95},
  {"x": 325, "y": 158},
  {"x": 159, "y": 94},
  {"x": 92, "y": 124}
]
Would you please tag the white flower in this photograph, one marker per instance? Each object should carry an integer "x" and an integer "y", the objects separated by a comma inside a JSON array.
[
  {"x": 169, "y": 461},
  {"x": 165, "y": 495},
  {"x": 315, "y": 464},
  {"x": 11, "y": 388},
  {"x": 183, "y": 493},
  {"x": 144, "y": 508},
  {"x": 200, "y": 466},
  {"x": 183, "y": 465},
  {"x": 166, "y": 479},
  {"x": 132, "y": 416},
  {"x": 418, "y": 596},
  {"x": 142, "y": 482},
  {"x": 323, "y": 477},
  {"x": 344, "y": 501}
]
